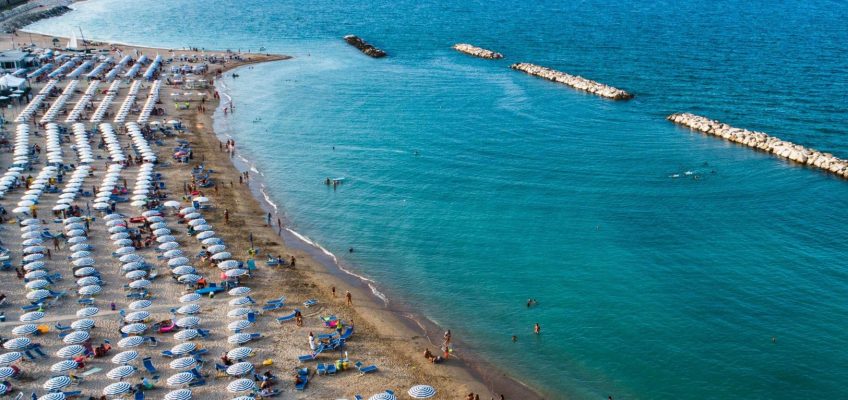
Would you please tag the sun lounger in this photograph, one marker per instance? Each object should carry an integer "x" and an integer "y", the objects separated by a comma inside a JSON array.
[
  {"x": 204, "y": 333},
  {"x": 255, "y": 336},
  {"x": 139, "y": 395},
  {"x": 148, "y": 365},
  {"x": 199, "y": 382},
  {"x": 219, "y": 367},
  {"x": 310, "y": 302},
  {"x": 347, "y": 334},
  {"x": 199, "y": 352},
  {"x": 272, "y": 307},
  {"x": 251, "y": 317},
  {"x": 92, "y": 371},
  {"x": 304, "y": 377},
  {"x": 289, "y": 317},
  {"x": 167, "y": 353},
  {"x": 321, "y": 369},
  {"x": 368, "y": 369},
  {"x": 29, "y": 355},
  {"x": 74, "y": 393},
  {"x": 31, "y": 307},
  {"x": 37, "y": 350},
  {"x": 331, "y": 369},
  {"x": 86, "y": 302}
]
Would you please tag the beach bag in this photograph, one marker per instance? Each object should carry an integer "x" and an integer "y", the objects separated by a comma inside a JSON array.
[{"x": 267, "y": 362}]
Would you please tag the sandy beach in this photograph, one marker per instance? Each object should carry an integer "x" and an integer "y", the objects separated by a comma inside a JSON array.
[{"x": 381, "y": 337}]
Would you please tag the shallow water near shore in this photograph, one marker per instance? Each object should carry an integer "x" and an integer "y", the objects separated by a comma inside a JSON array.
[{"x": 663, "y": 261}]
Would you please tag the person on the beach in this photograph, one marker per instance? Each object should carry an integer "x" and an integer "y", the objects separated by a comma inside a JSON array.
[
  {"x": 447, "y": 337},
  {"x": 349, "y": 298},
  {"x": 226, "y": 215},
  {"x": 311, "y": 341},
  {"x": 293, "y": 261},
  {"x": 226, "y": 360},
  {"x": 334, "y": 291},
  {"x": 537, "y": 329},
  {"x": 298, "y": 318},
  {"x": 56, "y": 243}
]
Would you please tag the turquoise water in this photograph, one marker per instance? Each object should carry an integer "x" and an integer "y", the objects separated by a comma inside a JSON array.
[{"x": 471, "y": 187}]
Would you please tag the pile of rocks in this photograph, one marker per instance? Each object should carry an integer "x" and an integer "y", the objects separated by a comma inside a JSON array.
[
  {"x": 577, "y": 82},
  {"x": 764, "y": 142},
  {"x": 476, "y": 51},
  {"x": 364, "y": 47},
  {"x": 20, "y": 21}
]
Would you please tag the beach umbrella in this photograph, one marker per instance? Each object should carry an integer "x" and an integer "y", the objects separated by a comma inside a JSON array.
[
  {"x": 181, "y": 394},
  {"x": 134, "y": 329},
  {"x": 32, "y": 242},
  {"x": 137, "y": 316},
  {"x": 122, "y": 242},
  {"x": 23, "y": 330},
  {"x": 89, "y": 290},
  {"x": 31, "y": 316},
  {"x": 53, "y": 396},
  {"x": 86, "y": 271},
  {"x": 35, "y": 265},
  {"x": 130, "y": 258},
  {"x": 140, "y": 304},
  {"x": 117, "y": 389},
  {"x": 239, "y": 338},
  {"x": 125, "y": 250},
  {"x": 241, "y": 385},
  {"x": 205, "y": 232},
  {"x": 155, "y": 218},
  {"x": 76, "y": 337},
  {"x": 189, "y": 278},
  {"x": 61, "y": 207},
  {"x": 37, "y": 284},
  {"x": 188, "y": 298},
  {"x": 88, "y": 280},
  {"x": 239, "y": 369},
  {"x": 34, "y": 249},
  {"x": 201, "y": 199},
  {"x": 238, "y": 325},
  {"x": 74, "y": 225},
  {"x": 83, "y": 262},
  {"x": 183, "y": 270},
  {"x": 17, "y": 343},
  {"x": 188, "y": 322},
  {"x": 383, "y": 396},
  {"x": 71, "y": 220},
  {"x": 121, "y": 372},
  {"x": 130, "y": 341},
  {"x": 20, "y": 210},
  {"x": 222, "y": 255},
  {"x": 119, "y": 236},
  {"x": 216, "y": 248},
  {"x": 238, "y": 301},
  {"x": 195, "y": 222},
  {"x": 137, "y": 274},
  {"x": 184, "y": 211},
  {"x": 183, "y": 363},
  {"x": 57, "y": 383},
  {"x": 183, "y": 348},
  {"x": 75, "y": 232},
  {"x": 30, "y": 235},
  {"x": 9, "y": 358},
  {"x": 235, "y": 273},
  {"x": 77, "y": 240},
  {"x": 138, "y": 203},
  {"x": 6, "y": 372},
  {"x": 176, "y": 261},
  {"x": 30, "y": 221},
  {"x": 172, "y": 204},
  {"x": 82, "y": 324},
  {"x": 168, "y": 246},
  {"x": 87, "y": 312},
  {"x": 165, "y": 239},
  {"x": 33, "y": 257},
  {"x": 239, "y": 312},
  {"x": 118, "y": 229},
  {"x": 81, "y": 254},
  {"x": 140, "y": 284},
  {"x": 229, "y": 264},
  {"x": 132, "y": 266},
  {"x": 162, "y": 232},
  {"x": 212, "y": 241},
  {"x": 187, "y": 334},
  {"x": 125, "y": 357},
  {"x": 70, "y": 351},
  {"x": 100, "y": 206},
  {"x": 239, "y": 291},
  {"x": 113, "y": 216},
  {"x": 189, "y": 309},
  {"x": 37, "y": 295},
  {"x": 115, "y": 222},
  {"x": 173, "y": 253},
  {"x": 158, "y": 225},
  {"x": 240, "y": 353},
  {"x": 192, "y": 215},
  {"x": 62, "y": 366},
  {"x": 179, "y": 379}
]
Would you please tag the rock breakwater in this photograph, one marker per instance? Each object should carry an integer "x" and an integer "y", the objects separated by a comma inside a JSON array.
[
  {"x": 477, "y": 51},
  {"x": 577, "y": 82},
  {"x": 364, "y": 47},
  {"x": 764, "y": 142}
]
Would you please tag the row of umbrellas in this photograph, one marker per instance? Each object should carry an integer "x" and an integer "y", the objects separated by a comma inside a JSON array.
[
  {"x": 20, "y": 159},
  {"x": 30, "y": 109},
  {"x": 106, "y": 102},
  {"x": 59, "y": 103},
  {"x": 152, "y": 96},
  {"x": 126, "y": 106},
  {"x": 84, "y": 101}
]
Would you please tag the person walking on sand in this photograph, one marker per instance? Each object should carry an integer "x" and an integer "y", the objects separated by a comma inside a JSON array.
[
  {"x": 349, "y": 298},
  {"x": 311, "y": 342},
  {"x": 56, "y": 243},
  {"x": 227, "y": 216},
  {"x": 334, "y": 291},
  {"x": 537, "y": 329}
]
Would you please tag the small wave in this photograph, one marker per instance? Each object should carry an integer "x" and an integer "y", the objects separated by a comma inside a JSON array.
[{"x": 267, "y": 198}]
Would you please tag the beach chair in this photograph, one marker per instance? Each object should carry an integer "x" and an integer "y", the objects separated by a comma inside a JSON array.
[
  {"x": 204, "y": 333},
  {"x": 148, "y": 365},
  {"x": 60, "y": 327},
  {"x": 303, "y": 373},
  {"x": 86, "y": 302},
  {"x": 198, "y": 382},
  {"x": 167, "y": 353},
  {"x": 331, "y": 369},
  {"x": 310, "y": 302},
  {"x": 75, "y": 393},
  {"x": 368, "y": 369},
  {"x": 347, "y": 334},
  {"x": 31, "y": 307},
  {"x": 289, "y": 317},
  {"x": 29, "y": 355},
  {"x": 312, "y": 356},
  {"x": 279, "y": 300},
  {"x": 37, "y": 349},
  {"x": 199, "y": 352},
  {"x": 272, "y": 307},
  {"x": 251, "y": 317},
  {"x": 139, "y": 395},
  {"x": 255, "y": 336},
  {"x": 321, "y": 369}
]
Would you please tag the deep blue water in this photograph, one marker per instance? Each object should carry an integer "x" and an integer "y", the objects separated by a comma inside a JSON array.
[{"x": 649, "y": 286}]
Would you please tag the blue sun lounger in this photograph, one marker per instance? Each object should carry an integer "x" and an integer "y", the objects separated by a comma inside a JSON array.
[
  {"x": 289, "y": 317},
  {"x": 303, "y": 373},
  {"x": 148, "y": 365}
]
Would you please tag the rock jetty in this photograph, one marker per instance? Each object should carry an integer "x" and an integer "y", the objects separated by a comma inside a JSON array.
[
  {"x": 476, "y": 51},
  {"x": 764, "y": 142},
  {"x": 364, "y": 47},
  {"x": 577, "y": 82}
]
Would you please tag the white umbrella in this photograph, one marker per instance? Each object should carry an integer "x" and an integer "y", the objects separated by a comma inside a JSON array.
[
  {"x": 228, "y": 264},
  {"x": 125, "y": 250},
  {"x": 65, "y": 365},
  {"x": 82, "y": 324},
  {"x": 121, "y": 372},
  {"x": 117, "y": 389},
  {"x": 177, "y": 261},
  {"x": 183, "y": 363},
  {"x": 137, "y": 316},
  {"x": 33, "y": 257},
  {"x": 85, "y": 271},
  {"x": 9, "y": 358},
  {"x": 88, "y": 280},
  {"x": 169, "y": 246},
  {"x": 216, "y": 248},
  {"x": 239, "y": 369},
  {"x": 83, "y": 262},
  {"x": 241, "y": 385},
  {"x": 140, "y": 284},
  {"x": 240, "y": 353},
  {"x": 183, "y": 270},
  {"x": 77, "y": 240},
  {"x": 188, "y": 322},
  {"x": 236, "y": 273},
  {"x": 179, "y": 379},
  {"x": 239, "y": 325},
  {"x": 189, "y": 309},
  {"x": 239, "y": 338},
  {"x": 89, "y": 290},
  {"x": 238, "y": 301},
  {"x": 183, "y": 348},
  {"x": 37, "y": 295},
  {"x": 133, "y": 329},
  {"x": 23, "y": 330},
  {"x": 125, "y": 357},
  {"x": 31, "y": 316},
  {"x": 35, "y": 265},
  {"x": 130, "y": 341},
  {"x": 172, "y": 204},
  {"x": 191, "y": 297},
  {"x": 189, "y": 278},
  {"x": 238, "y": 312},
  {"x": 222, "y": 255},
  {"x": 173, "y": 253},
  {"x": 182, "y": 394},
  {"x": 187, "y": 334},
  {"x": 17, "y": 343},
  {"x": 137, "y": 274},
  {"x": 165, "y": 239},
  {"x": 87, "y": 312},
  {"x": 70, "y": 351},
  {"x": 76, "y": 337},
  {"x": 130, "y": 258},
  {"x": 57, "y": 383},
  {"x": 140, "y": 304}
]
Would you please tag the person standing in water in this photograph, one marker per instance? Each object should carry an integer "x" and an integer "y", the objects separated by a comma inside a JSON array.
[{"x": 537, "y": 329}]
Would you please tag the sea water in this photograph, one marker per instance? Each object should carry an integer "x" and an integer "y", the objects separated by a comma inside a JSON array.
[{"x": 663, "y": 261}]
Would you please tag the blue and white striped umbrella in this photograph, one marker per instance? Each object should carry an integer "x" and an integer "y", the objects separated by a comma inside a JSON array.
[
  {"x": 53, "y": 396},
  {"x": 196, "y": 222},
  {"x": 239, "y": 369},
  {"x": 113, "y": 216},
  {"x": 17, "y": 343},
  {"x": 180, "y": 378},
  {"x": 241, "y": 385},
  {"x": 117, "y": 389},
  {"x": 165, "y": 239},
  {"x": 132, "y": 266},
  {"x": 70, "y": 351},
  {"x": 88, "y": 280},
  {"x": 34, "y": 266},
  {"x": 9, "y": 358},
  {"x": 177, "y": 261},
  {"x": 122, "y": 242},
  {"x": 125, "y": 357},
  {"x": 82, "y": 324},
  {"x": 239, "y": 338},
  {"x": 117, "y": 229},
  {"x": 239, "y": 291},
  {"x": 33, "y": 257},
  {"x": 81, "y": 254},
  {"x": 83, "y": 262},
  {"x": 140, "y": 304},
  {"x": 75, "y": 233},
  {"x": 238, "y": 312},
  {"x": 240, "y": 353},
  {"x": 235, "y": 272},
  {"x": 37, "y": 284},
  {"x": 34, "y": 249},
  {"x": 151, "y": 213},
  {"x": 183, "y": 348},
  {"x": 37, "y": 295},
  {"x": 183, "y": 270},
  {"x": 182, "y": 394},
  {"x": 205, "y": 231},
  {"x": 81, "y": 247},
  {"x": 78, "y": 240},
  {"x": 168, "y": 246},
  {"x": 130, "y": 341},
  {"x": 121, "y": 372},
  {"x": 87, "y": 312},
  {"x": 188, "y": 322},
  {"x": 64, "y": 365},
  {"x": 85, "y": 271},
  {"x": 155, "y": 219},
  {"x": 130, "y": 258},
  {"x": 125, "y": 250},
  {"x": 173, "y": 253},
  {"x": 23, "y": 330},
  {"x": 162, "y": 232},
  {"x": 222, "y": 256},
  {"x": 76, "y": 337},
  {"x": 134, "y": 275},
  {"x": 89, "y": 290},
  {"x": 239, "y": 325},
  {"x": 187, "y": 334},
  {"x": 244, "y": 398},
  {"x": 6, "y": 372},
  {"x": 229, "y": 264},
  {"x": 134, "y": 329},
  {"x": 137, "y": 316},
  {"x": 35, "y": 274},
  {"x": 57, "y": 383},
  {"x": 140, "y": 284},
  {"x": 217, "y": 248},
  {"x": 191, "y": 215},
  {"x": 421, "y": 392},
  {"x": 383, "y": 396},
  {"x": 189, "y": 278},
  {"x": 212, "y": 241},
  {"x": 189, "y": 298},
  {"x": 119, "y": 236},
  {"x": 189, "y": 309},
  {"x": 31, "y": 316},
  {"x": 183, "y": 363},
  {"x": 239, "y": 301}
]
